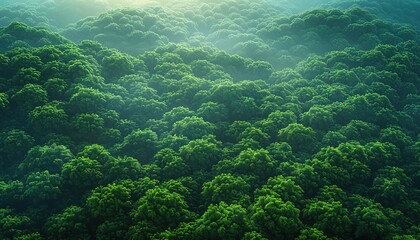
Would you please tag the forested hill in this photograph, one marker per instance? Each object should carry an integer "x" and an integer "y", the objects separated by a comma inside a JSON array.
[
  {"x": 404, "y": 12},
  {"x": 20, "y": 35},
  {"x": 249, "y": 29},
  {"x": 49, "y": 12},
  {"x": 228, "y": 121}
]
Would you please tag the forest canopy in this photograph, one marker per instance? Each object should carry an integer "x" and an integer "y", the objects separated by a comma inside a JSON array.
[{"x": 229, "y": 119}]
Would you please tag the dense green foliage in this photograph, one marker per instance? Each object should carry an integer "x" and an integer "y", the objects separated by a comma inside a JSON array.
[
  {"x": 226, "y": 120},
  {"x": 398, "y": 11},
  {"x": 249, "y": 29}
]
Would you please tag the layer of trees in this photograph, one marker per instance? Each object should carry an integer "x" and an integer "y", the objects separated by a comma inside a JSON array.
[
  {"x": 398, "y": 11},
  {"x": 245, "y": 28},
  {"x": 261, "y": 30},
  {"x": 182, "y": 142}
]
